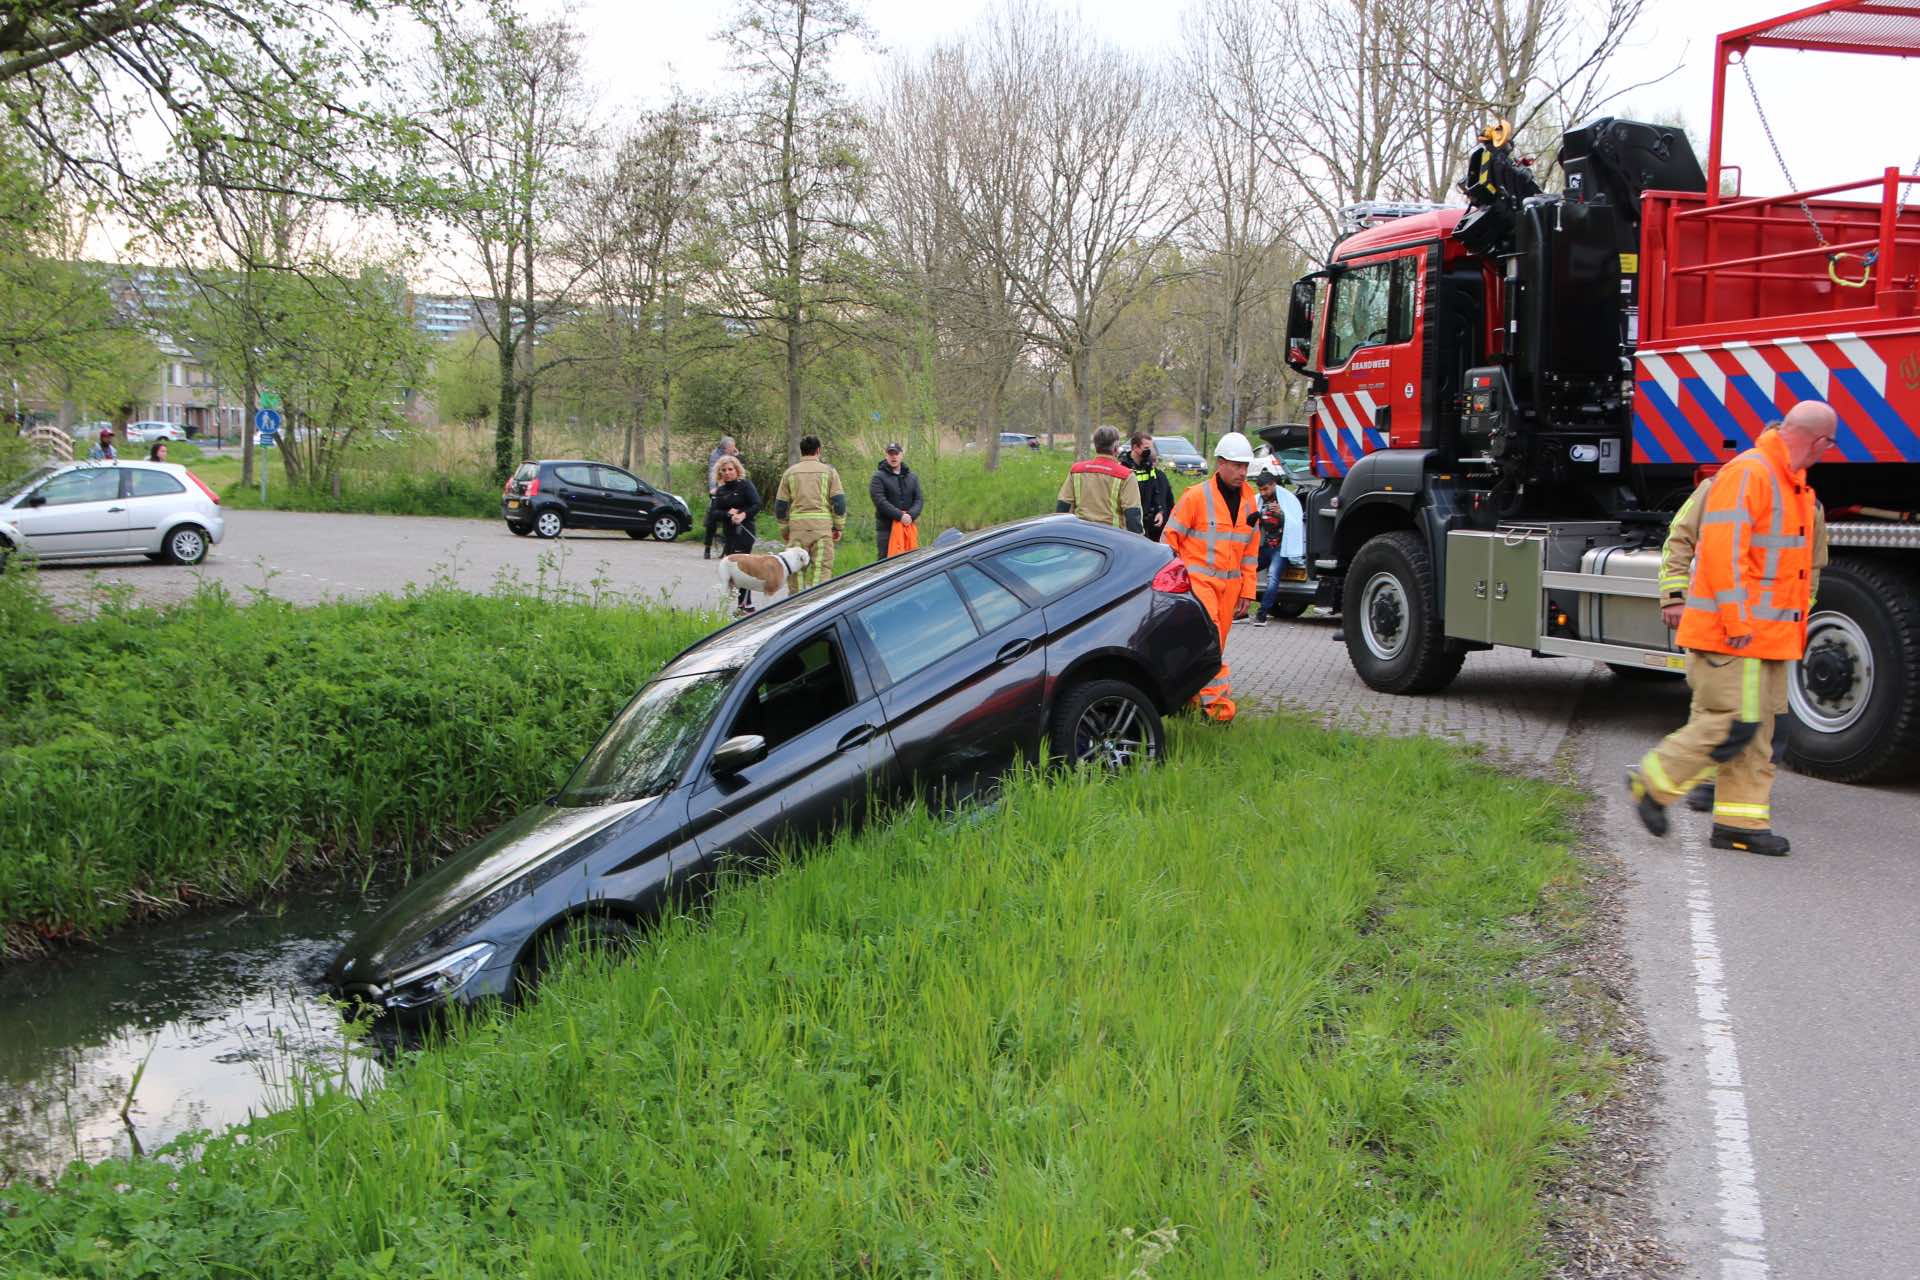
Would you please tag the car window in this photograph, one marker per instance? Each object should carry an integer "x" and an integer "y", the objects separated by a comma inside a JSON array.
[
  {"x": 619, "y": 481},
  {"x": 1371, "y": 305},
  {"x": 1051, "y": 568},
  {"x": 527, "y": 471},
  {"x": 151, "y": 484},
  {"x": 95, "y": 484},
  {"x": 992, "y": 603},
  {"x": 582, "y": 476},
  {"x": 915, "y": 628},
  {"x": 644, "y": 751},
  {"x": 806, "y": 686}
]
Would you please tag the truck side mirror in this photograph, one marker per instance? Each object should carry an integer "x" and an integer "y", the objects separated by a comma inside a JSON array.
[{"x": 1300, "y": 311}]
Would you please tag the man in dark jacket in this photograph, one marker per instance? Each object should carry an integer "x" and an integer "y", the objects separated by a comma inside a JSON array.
[
  {"x": 1156, "y": 491},
  {"x": 895, "y": 491}
]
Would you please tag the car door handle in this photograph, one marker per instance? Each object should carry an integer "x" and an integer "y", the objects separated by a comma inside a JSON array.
[
  {"x": 1014, "y": 650},
  {"x": 856, "y": 736},
  {"x": 111, "y": 510}
]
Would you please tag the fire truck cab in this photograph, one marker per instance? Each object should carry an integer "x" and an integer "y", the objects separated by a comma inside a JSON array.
[{"x": 1510, "y": 398}]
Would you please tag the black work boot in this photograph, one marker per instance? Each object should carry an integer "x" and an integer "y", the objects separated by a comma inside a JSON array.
[
  {"x": 1749, "y": 841},
  {"x": 1700, "y": 799},
  {"x": 1652, "y": 814}
]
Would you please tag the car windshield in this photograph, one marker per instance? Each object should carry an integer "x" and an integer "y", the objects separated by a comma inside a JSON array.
[
  {"x": 1175, "y": 445},
  {"x": 648, "y": 745}
]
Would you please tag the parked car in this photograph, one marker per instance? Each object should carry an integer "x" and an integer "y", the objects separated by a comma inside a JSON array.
[
  {"x": 932, "y": 670},
  {"x": 148, "y": 432},
  {"x": 1180, "y": 455},
  {"x": 90, "y": 430},
  {"x": 547, "y": 497},
  {"x": 85, "y": 509}
]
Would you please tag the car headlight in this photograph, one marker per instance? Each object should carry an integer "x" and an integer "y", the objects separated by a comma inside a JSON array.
[
  {"x": 439, "y": 979},
  {"x": 682, "y": 501}
]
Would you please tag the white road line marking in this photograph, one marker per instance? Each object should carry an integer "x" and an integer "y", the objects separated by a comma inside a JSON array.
[{"x": 1743, "y": 1244}]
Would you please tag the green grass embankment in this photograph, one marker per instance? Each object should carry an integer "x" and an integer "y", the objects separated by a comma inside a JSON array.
[
  {"x": 1253, "y": 1013},
  {"x": 150, "y": 757}
]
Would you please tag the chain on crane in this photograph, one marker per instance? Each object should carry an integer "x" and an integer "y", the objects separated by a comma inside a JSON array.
[{"x": 1868, "y": 259}]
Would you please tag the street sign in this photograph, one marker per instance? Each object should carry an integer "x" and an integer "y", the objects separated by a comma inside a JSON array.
[
  {"x": 267, "y": 423},
  {"x": 269, "y": 399}
]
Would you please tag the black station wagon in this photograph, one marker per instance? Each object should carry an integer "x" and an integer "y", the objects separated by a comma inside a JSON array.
[
  {"x": 931, "y": 671},
  {"x": 547, "y": 498}
]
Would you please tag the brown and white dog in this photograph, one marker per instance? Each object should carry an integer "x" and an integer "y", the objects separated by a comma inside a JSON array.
[{"x": 743, "y": 571}]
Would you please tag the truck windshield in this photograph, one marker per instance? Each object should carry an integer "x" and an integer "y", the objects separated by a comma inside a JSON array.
[{"x": 648, "y": 746}]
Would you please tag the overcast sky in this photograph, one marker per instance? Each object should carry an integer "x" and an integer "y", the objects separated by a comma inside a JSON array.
[{"x": 1828, "y": 112}]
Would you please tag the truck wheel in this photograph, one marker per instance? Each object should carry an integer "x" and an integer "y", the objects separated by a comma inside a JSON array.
[
  {"x": 1392, "y": 615},
  {"x": 1856, "y": 695}
]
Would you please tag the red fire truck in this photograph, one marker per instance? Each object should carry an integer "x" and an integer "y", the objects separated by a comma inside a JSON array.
[{"x": 1510, "y": 399}]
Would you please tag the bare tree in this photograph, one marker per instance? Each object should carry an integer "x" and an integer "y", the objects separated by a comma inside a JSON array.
[
  {"x": 641, "y": 222},
  {"x": 505, "y": 122},
  {"x": 793, "y": 186},
  {"x": 1072, "y": 182}
]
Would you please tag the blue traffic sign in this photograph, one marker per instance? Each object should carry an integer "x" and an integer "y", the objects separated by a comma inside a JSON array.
[{"x": 267, "y": 421}]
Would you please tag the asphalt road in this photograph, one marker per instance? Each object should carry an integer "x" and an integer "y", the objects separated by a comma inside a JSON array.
[{"x": 1780, "y": 993}]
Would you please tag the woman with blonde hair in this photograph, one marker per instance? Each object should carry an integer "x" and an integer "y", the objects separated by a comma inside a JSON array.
[{"x": 735, "y": 504}]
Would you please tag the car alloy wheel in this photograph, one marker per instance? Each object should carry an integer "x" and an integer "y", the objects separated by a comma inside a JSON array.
[
  {"x": 186, "y": 545},
  {"x": 1109, "y": 724},
  {"x": 548, "y": 524}
]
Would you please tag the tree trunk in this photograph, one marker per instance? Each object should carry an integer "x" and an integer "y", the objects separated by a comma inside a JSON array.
[
  {"x": 666, "y": 431},
  {"x": 1081, "y": 366},
  {"x": 249, "y": 387},
  {"x": 503, "y": 442},
  {"x": 793, "y": 392},
  {"x": 990, "y": 420}
]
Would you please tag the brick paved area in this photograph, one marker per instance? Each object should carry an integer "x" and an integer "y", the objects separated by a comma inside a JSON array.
[{"x": 1515, "y": 705}]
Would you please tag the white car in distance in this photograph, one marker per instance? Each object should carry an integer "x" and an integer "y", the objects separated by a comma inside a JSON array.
[{"x": 79, "y": 510}]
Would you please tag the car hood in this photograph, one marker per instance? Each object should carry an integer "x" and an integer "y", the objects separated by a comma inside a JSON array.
[{"x": 460, "y": 894}]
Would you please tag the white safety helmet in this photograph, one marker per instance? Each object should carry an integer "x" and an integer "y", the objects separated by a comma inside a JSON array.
[{"x": 1233, "y": 447}]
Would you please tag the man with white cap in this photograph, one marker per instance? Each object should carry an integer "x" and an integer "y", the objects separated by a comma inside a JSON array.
[{"x": 1213, "y": 532}]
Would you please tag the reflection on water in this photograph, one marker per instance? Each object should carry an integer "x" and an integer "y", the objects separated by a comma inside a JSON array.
[{"x": 220, "y": 1007}]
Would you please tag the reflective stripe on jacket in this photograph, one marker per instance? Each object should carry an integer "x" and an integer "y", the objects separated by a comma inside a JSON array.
[
  {"x": 1211, "y": 545},
  {"x": 1676, "y": 554},
  {"x": 1753, "y": 566}
]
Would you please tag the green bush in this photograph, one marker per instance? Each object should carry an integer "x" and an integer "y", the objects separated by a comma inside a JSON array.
[
  {"x": 1101, "y": 1031},
  {"x": 151, "y": 757},
  {"x": 391, "y": 492}
]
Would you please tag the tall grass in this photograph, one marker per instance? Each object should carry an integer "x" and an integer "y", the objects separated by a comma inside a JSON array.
[
  {"x": 1100, "y": 1032},
  {"x": 150, "y": 757}
]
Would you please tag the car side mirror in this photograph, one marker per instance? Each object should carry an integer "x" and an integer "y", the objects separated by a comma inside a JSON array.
[
  {"x": 37, "y": 500},
  {"x": 737, "y": 753}
]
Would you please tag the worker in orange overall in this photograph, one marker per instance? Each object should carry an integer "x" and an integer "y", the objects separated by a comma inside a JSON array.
[
  {"x": 1743, "y": 621},
  {"x": 1212, "y": 530}
]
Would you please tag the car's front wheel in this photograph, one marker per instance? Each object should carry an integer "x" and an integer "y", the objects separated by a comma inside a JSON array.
[
  {"x": 519, "y": 530},
  {"x": 578, "y": 934},
  {"x": 549, "y": 523},
  {"x": 1109, "y": 724},
  {"x": 186, "y": 545},
  {"x": 666, "y": 527}
]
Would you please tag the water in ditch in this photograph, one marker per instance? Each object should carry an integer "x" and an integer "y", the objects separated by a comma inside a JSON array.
[{"x": 212, "y": 1011}]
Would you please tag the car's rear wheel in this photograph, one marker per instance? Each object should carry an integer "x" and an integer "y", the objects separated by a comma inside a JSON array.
[
  {"x": 186, "y": 545},
  {"x": 549, "y": 523},
  {"x": 666, "y": 527},
  {"x": 1108, "y": 724},
  {"x": 579, "y": 933},
  {"x": 519, "y": 530}
]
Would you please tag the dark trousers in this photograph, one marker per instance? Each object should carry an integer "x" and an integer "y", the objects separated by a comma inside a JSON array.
[
  {"x": 715, "y": 518},
  {"x": 883, "y": 536}
]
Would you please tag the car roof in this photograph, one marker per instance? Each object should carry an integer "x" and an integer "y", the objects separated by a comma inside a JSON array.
[{"x": 738, "y": 644}]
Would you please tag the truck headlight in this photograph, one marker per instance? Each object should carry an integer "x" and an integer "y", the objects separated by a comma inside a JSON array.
[{"x": 438, "y": 980}]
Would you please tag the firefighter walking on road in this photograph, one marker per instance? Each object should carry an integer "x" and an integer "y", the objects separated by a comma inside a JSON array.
[
  {"x": 811, "y": 507},
  {"x": 1742, "y": 621},
  {"x": 1213, "y": 532}
]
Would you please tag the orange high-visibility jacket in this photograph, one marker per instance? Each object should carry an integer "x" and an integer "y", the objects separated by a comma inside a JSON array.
[
  {"x": 1753, "y": 566},
  {"x": 1212, "y": 546}
]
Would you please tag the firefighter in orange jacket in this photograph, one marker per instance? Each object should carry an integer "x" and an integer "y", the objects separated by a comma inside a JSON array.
[
  {"x": 1212, "y": 529},
  {"x": 1744, "y": 619}
]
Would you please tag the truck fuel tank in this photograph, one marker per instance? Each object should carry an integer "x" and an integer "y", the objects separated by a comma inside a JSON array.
[{"x": 1617, "y": 619}]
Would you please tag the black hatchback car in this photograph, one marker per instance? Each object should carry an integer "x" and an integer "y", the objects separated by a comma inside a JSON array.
[
  {"x": 546, "y": 498},
  {"x": 933, "y": 671}
]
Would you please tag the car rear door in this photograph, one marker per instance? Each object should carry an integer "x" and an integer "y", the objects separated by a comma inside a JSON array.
[
  {"x": 574, "y": 485},
  {"x": 812, "y": 701},
  {"x": 78, "y": 512},
  {"x": 962, "y": 659},
  {"x": 152, "y": 496}
]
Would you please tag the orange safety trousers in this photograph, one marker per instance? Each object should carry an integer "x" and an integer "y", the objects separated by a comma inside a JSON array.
[{"x": 1220, "y": 553}]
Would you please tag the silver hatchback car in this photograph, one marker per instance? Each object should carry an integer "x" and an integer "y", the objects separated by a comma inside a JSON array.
[{"x": 79, "y": 509}]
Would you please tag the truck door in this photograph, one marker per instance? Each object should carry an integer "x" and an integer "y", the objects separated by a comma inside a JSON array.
[{"x": 1371, "y": 362}]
